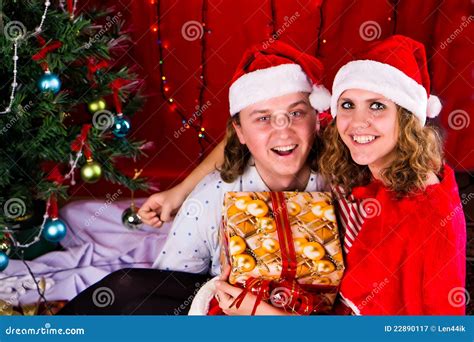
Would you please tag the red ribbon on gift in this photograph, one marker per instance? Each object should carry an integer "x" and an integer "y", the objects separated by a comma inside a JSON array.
[
  {"x": 285, "y": 236},
  {"x": 261, "y": 286},
  {"x": 295, "y": 298}
]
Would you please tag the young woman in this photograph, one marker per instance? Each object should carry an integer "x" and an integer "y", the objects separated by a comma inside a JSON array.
[
  {"x": 405, "y": 230},
  {"x": 271, "y": 141}
]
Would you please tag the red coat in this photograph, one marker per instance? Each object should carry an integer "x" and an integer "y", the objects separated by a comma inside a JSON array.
[{"x": 410, "y": 258}]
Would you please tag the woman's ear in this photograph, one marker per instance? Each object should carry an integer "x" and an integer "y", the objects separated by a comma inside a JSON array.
[
  {"x": 317, "y": 125},
  {"x": 238, "y": 130}
]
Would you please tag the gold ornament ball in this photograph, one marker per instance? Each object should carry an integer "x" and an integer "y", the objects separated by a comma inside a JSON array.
[
  {"x": 237, "y": 245},
  {"x": 270, "y": 245},
  {"x": 257, "y": 208},
  {"x": 97, "y": 105},
  {"x": 91, "y": 172},
  {"x": 313, "y": 250},
  {"x": 244, "y": 262}
]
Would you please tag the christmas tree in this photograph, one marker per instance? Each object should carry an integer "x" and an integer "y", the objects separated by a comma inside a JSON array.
[{"x": 61, "y": 107}]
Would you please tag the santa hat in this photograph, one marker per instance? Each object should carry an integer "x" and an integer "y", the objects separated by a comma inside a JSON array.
[
  {"x": 275, "y": 71},
  {"x": 395, "y": 68}
]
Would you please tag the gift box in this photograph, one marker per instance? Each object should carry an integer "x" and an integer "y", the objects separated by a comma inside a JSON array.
[{"x": 284, "y": 247}]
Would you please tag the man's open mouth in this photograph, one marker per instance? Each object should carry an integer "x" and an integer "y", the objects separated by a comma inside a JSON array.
[{"x": 285, "y": 150}]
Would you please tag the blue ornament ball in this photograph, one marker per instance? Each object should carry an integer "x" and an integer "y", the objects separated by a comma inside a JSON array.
[
  {"x": 121, "y": 126},
  {"x": 3, "y": 261},
  {"x": 54, "y": 230},
  {"x": 49, "y": 82}
]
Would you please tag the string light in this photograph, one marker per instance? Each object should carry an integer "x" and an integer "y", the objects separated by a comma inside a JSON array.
[
  {"x": 70, "y": 175},
  {"x": 14, "y": 84},
  {"x": 47, "y": 3},
  {"x": 393, "y": 18},
  {"x": 202, "y": 68},
  {"x": 11, "y": 233},
  {"x": 196, "y": 124},
  {"x": 272, "y": 24}
]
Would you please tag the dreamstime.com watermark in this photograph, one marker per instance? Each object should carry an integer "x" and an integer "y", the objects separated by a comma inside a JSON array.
[
  {"x": 14, "y": 208},
  {"x": 465, "y": 21},
  {"x": 458, "y": 209},
  {"x": 286, "y": 24},
  {"x": 106, "y": 27},
  {"x": 14, "y": 119},
  {"x": 458, "y": 297},
  {"x": 187, "y": 124},
  {"x": 192, "y": 30},
  {"x": 110, "y": 199},
  {"x": 370, "y": 207},
  {"x": 377, "y": 288},
  {"x": 370, "y": 30},
  {"x": 46, "y": 330},
  {"x": 187, "y": 301},
  {"x": 103, "y": 296},
  {"x": 458, "y": 119}
]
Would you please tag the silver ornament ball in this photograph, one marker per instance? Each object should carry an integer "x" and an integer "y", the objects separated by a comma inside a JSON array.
[{"x": 130, "y": 218}]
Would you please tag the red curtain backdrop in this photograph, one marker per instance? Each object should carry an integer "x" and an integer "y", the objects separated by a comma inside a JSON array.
[{"x": 331, "y": 30}]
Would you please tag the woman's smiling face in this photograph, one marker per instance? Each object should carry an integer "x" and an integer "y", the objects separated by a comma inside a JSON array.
[{"x": 368, "y": 125}]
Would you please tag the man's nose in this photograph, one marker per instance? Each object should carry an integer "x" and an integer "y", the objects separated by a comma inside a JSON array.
[
  {"x": 281, "y": 124},
  {"x": 281, "y": 120}
]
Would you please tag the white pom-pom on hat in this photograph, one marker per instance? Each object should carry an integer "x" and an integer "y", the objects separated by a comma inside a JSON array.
[
  {"x": 434, "y": 106},
  {"x": 320, "y": 98}
]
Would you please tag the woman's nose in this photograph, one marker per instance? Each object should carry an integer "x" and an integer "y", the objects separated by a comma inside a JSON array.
[{"x": 360, "y": 118}]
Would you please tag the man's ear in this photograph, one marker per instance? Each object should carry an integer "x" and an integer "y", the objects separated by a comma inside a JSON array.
[{"x": 238, "y": 130}]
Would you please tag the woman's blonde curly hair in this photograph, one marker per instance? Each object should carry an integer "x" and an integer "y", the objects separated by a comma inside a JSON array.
[
  {"x": 237, "y": 155},
  {"x": 417, "y": 153}
]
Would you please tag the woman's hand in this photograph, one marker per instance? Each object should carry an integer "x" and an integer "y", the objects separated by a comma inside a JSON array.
[
  {"x": 160, "y": 207},
  {"x": 226, "y": 295}
]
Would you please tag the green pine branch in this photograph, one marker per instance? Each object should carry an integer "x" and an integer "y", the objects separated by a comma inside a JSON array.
[{"x": 35, "y": 131}]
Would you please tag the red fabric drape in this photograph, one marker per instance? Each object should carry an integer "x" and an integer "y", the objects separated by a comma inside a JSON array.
[{"x": 331, "y": 30}]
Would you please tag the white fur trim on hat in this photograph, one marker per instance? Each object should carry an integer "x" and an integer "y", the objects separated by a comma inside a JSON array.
[
  {"x": 320, "y": 98},
  {"x": 264, "y": 84},
  {"x": 200, "y": 304},
  {"x": 383, "y": 79}
]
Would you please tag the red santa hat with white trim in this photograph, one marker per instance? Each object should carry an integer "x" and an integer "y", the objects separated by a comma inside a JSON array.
[
  {"x": 277, "y": 70},
  {"x": 395, "y": 68}
]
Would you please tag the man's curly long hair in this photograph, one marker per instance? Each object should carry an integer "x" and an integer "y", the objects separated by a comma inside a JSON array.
[
  {"x": 237, "y": 155},
  {"x": 417, "y": 153}
]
